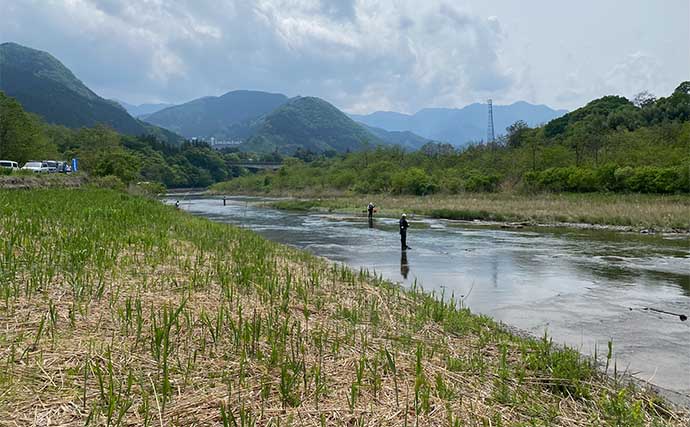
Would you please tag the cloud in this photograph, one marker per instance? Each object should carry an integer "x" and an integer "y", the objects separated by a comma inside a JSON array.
[
  {"x": 636, "y": 72},
  {"x": 361, "y": 55}
]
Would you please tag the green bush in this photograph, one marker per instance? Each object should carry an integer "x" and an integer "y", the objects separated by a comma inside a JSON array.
[
  {"x": 478, "y": 182},
  {"x": 413, "y": 181},
  {"x": 645, "y": 179},
  {"x": 621, "y": 177},
  {"x": 146, "y": 188},
  {"x": 582, "y": 180}
]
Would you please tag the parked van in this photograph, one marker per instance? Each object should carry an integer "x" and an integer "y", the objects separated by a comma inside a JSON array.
[
  {"x": 9, "y": 164},
  {"x": 52, "y": 165},
  {"x": 38, "y": 167}
]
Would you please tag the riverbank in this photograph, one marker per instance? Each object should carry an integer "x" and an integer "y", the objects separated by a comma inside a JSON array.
[
  {"x": 26, "y": 181},
  {"x": 154, "y": 316},
  {"x": 598, "y": 211}
]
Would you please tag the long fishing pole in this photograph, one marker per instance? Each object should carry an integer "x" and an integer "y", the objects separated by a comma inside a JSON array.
[{"x": 682, "y": 317}]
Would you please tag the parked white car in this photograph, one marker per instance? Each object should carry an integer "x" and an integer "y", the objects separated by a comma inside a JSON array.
[
  {"x": 9, "y": 164},
  {"x": 38, "y": 167}
]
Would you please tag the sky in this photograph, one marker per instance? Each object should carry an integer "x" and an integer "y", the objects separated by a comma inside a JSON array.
[{"x": 363, "y": 55}]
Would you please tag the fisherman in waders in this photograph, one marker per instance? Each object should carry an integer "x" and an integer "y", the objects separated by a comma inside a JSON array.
[
  {"x": 403, "y": 232},
  {"x": 370, "y": 210}
]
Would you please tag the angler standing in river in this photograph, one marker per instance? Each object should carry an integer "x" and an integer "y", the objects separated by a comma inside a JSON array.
[
  {"x": 370, "y": 210},
  {"x": 403, "y": 232}
]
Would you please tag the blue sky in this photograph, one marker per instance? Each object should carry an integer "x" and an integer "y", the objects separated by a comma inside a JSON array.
[{"x": 363, "y": 55}]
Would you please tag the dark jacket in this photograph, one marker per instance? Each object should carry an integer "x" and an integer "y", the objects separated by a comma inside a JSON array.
[{"x": 403, "y": 225}]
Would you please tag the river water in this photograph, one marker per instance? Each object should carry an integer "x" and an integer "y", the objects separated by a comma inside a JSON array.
[{"x": 584, "y": 288}]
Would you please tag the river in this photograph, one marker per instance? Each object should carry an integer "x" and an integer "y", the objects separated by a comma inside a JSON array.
[{"x": 584, "y": 288}]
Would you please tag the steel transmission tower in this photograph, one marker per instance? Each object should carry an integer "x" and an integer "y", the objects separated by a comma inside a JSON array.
[{"x": 490, "y": 136}]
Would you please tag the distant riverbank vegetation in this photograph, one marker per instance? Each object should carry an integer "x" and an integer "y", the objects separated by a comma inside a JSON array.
[{"x": 610, "y": 145}]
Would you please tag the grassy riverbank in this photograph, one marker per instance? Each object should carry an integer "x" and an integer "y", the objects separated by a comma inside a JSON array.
[
  {"x": 117, "y": 310},
  {"x": 630, "y": 210}
]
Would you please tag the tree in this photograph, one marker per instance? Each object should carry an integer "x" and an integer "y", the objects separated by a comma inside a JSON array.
[
  {"x": 437, "y": 149},
  {"x": 516, "y": 133},
  {"x": 21, "y": 134},
  {"x": 643, "y": 99},
  {"x": 683, "y": 88}
]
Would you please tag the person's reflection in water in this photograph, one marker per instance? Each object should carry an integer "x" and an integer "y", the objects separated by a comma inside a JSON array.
[
  {"x": 371, "y": 222},
  {"x": 404, "y": 265}
]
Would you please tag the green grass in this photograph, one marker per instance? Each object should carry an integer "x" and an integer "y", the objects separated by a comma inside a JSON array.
[{"x": 118, "y": 310}]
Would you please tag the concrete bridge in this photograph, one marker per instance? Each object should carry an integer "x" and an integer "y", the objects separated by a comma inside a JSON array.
[{"x": 258, "y": 165}]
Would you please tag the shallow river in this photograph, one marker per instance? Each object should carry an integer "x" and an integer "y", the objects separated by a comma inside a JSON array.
[{"x": 583, "y": 287}]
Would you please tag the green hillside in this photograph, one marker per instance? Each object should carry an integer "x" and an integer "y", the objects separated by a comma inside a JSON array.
[
  {"x": 311, "y": 124},
  {"x": 44, "y": 86},
  {"x": 213, "y": 116}
]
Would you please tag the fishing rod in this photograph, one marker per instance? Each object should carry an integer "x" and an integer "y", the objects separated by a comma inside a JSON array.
[{"x": 682, "y": 317}]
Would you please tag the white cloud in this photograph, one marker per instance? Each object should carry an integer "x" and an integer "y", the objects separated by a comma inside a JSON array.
[
  {"x": 362, "y": 55},
  {"x": 634, "y": 73}
]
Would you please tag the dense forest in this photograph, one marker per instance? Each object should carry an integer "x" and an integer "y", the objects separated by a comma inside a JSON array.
[
  {"x": 103, "y": 152},
  {"x": 611, "y": 144}
]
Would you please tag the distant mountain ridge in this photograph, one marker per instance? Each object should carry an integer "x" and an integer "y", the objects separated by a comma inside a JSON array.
[
  {"x": 268, "y": 122},
  {"x": 143, "y": 109},
  {"x": 404, "y": 139},
  {"x": 460, "y": 126},
  {"x": 214, "y": 116},
  {"x": 44, "y": 86}
]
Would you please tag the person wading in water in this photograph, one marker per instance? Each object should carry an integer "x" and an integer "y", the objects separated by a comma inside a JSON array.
[
  {"x": 403, "y": 232},
  {"x": 370, "y": 211}
]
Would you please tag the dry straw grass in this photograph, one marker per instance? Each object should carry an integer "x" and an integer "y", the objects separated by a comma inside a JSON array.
[
  {"x": 134, "y": 314},
  {"x": 630, "y": 210}
]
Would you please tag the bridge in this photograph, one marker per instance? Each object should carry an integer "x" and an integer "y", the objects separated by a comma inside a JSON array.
[{"x": 258, "y": 165}]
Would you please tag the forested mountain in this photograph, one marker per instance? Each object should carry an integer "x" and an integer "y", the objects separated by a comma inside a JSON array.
[
  {"x": 143, "y": 109},
  {"x": 44, "y": 86},
  {"x": 460, "y": 126},
  {"x": 267, "y": 122},
  {"x": 215, "y": 116},
  {"x": 307, "y": 123}
]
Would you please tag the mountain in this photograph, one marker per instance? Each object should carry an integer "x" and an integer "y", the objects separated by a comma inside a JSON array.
[
  {"x": 405, "y": 139},
  {"x": 142, "y": 109},
  {"x": 44, "y": 86},
  {"x": 460, "y": 126},
  {"x": 308, "y": 123},
  {"x": 213, "y": 116}
]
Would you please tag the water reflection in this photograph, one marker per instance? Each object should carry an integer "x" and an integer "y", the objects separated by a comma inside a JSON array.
[{"x": 404, "y": 265}]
